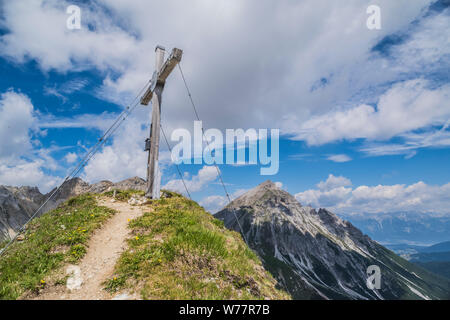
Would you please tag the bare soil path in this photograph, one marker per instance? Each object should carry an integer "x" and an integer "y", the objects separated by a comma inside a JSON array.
[{"x": 104, "y": 249}]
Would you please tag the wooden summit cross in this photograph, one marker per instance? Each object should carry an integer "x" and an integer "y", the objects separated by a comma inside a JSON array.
[{"x": 154, "y": 93}]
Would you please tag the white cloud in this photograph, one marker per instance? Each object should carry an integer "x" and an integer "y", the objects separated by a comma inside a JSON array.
[
  {"x": 405, "y": 107},
  {"x": 16, "y": 121},
  {"x": 339, "y": 158},
  {"x": 28, "y": 173},
  {"x": 215, "y": 203},
  {"x": 19, "y": 125},
  {"x": 334, "y": 182},
  {"x": 17, "y": 147},
  {"x": 71, "y": 157},
  {"x": 317, "y": 40},
  {"x": 45, "y": 37},
  {"x": 426, "y": 48},
  {"x": 88, "y": 121},
  {"x": 420, "y": 50},
  {"x": 412, "y": 143},
  {"x": 123, "y": 156},
  {"x": 417, "y": 197},
  {"x": 329, "y": 192},
  {"x": 204, "y": 176},
  {"x": 66, "y": 88}
]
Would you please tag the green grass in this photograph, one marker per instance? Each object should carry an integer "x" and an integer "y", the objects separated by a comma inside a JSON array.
[
  {"x": 433, "y": 285},
  {"x": 57, "y": 237},
  {"x": 441, "y": 268},
  {"x": 179, "y": 251}
]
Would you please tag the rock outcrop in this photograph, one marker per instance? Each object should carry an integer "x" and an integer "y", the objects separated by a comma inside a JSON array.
[{"x": 17, "y": 204}]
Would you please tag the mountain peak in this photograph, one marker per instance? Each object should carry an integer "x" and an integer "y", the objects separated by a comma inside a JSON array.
[
  {"x": 266, "y": 194},
  {"x": 135, "y": 183},
  {"x": 268, "y": 184},
  {"x": 322, "y": 255}
]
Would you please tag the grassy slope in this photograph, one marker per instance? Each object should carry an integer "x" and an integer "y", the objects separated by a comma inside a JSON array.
[
  {"x": 57, "y": 237},
  {"x": 433, "y": 285},
  {"x": 179, "y": 251},
  {"x": 441, "y": 268}
]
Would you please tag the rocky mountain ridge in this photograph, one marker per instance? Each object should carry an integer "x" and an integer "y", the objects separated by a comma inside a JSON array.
[
  {"x": 317, "y": 255},
  {"x": 403, "y": 227},
  {"x": 17, "y": 204}
]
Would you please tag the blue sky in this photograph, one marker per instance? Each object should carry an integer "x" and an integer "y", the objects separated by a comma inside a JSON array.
[{"x": 363, "y": 114}]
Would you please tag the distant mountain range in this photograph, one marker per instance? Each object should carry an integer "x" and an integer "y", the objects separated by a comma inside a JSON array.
[
  {"x": 435, "y": 258},
  {"x": 314, "y": 254},
  {"x": 439, "y": 247},
  {"x": 404, "y": 227},
  {"x": 410, "y": 235}
]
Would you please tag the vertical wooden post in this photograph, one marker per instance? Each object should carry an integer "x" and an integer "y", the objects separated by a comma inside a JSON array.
[
  {"x": 154, "y": 93},
  {"x": 153, "y": 173}
]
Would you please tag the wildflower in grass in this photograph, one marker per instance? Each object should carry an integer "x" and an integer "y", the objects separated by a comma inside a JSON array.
[
  {"x": 115, "y": 278},
  {"x": 136, "y": 238},
  {"x": 42, "y": 281}
]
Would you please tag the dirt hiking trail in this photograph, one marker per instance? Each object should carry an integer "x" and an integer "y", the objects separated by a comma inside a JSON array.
[{"x": 104, "y": 248}]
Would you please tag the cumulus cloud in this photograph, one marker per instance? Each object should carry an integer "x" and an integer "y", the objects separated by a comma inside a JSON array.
[
  {"x": 225, "y": 43},
  {"x": 28, "y": 173},
  {"x": 45, "y": 37},
  {"x": 333, "y": 182},
  {"x": 20, "y": 162},
  {"x": 16, "y": 121},
  {"x": 408, "y": 71},
  {"x": 124, "y": 155},
  {"x": 215, "y": 203},
  {"x": 24, "y": 161},
  {"x": 71, "y": 157},
  {"x": 205, "y": 175},
  {"x": 341, "y": 198},
  {"x": 405, "y": 107}
]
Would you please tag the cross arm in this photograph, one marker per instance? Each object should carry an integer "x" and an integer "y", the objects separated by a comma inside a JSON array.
[
  {"x": 170, "y": 64},
  {"x": 161, "y": 76}
]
